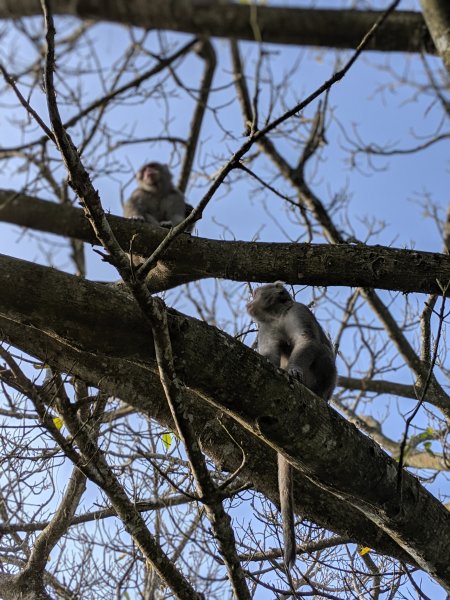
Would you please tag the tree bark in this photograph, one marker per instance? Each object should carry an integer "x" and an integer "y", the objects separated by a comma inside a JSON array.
[
  {"x": 404, "y": 31},
  {"x": 190, "y": 258},
  {"x": 437, "y": 17},
  {"x": 20, "y": 587},
  {"x": 98, "y": 333}
]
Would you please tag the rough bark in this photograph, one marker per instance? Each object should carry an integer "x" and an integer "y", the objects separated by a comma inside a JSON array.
[
  {"x": 437, "y": 17},
  {"x": 100, "y": 335},
  {"x": 404, "y": 32},
  {"x": 20, "y": 587},
  {"x": 124, "y": 378},
  {"x": 190, "y": 258}
]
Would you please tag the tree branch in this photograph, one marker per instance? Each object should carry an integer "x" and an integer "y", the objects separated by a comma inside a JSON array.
[
  {"x": 102, "y": 474},
  {"x": 437, "y": 17},
  {"x": 190, "y": 258},
  {"x": 330, "y": 453},
  {"x": 405, "y": 32}
]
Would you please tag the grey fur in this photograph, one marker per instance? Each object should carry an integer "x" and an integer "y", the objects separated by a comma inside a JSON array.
[
  {"x": 156, "y": 200},
  {"x": 290, "y": 336}
]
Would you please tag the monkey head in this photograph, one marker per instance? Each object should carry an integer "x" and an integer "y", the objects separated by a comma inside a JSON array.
[
  {"x": 155, "y": 177},
  {"x": 269, "y": 300}
]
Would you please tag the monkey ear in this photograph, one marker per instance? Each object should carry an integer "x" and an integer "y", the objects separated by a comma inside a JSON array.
[{"x": 279, "y": 284}]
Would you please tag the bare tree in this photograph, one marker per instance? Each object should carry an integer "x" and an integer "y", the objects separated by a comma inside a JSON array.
[{"x": 140, "y": 428}]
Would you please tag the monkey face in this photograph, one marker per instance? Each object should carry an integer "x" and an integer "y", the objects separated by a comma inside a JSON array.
[
  {"x": 153, "y": 174},
  {"x": 268, "y": 298},
  {"x": 250, "y": 306}
]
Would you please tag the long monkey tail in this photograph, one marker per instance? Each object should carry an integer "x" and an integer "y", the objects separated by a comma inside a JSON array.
[{"x": 285, "y": 489}]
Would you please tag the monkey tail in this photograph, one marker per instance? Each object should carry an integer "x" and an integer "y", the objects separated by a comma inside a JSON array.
[{"x": 285, "y": 489}]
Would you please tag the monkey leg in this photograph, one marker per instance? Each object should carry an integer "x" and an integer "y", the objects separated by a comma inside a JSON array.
[{"x": 300, "y": 362}]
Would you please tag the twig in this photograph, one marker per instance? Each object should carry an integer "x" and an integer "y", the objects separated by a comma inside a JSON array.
[
  {"x": 90, "y": 201},
  {"x": 422, "y": 394},
  {"x": 206, "y": 51}
]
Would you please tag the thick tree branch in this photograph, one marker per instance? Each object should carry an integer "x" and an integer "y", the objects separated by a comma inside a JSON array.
[
  {"x": 330, "y": 453},
  {"x": 190, "y": 258},
  {"x": 114, "y": 375},
  {"x": 405, "y": 31},
  {"x": 437, "y": 17}
]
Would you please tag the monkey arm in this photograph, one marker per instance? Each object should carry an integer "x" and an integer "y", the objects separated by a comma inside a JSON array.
[
  {"x": 313, "y": 363},
  {"x": 304, "y": 353}
]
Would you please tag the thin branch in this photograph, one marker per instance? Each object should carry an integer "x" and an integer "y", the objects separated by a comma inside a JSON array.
[
  {"x": 423, "y": 391},
  {"x": 59, "y": 524},
  {"x": 308, "y": 548},
  {"x": 10, "y": 81},
  {"x": 206, "y": 51},
  {"x": 104, "y": 100},
  {"x": 338, "y": 75},
  {"x": 91, "y": 203}
]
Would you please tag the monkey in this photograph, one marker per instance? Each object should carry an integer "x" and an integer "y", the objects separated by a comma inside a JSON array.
[
  {"x": 290, "y": 336},
  {"x": 156, "y": 200}
]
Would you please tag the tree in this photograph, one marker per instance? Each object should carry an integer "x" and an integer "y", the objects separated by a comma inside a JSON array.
[{"x": 139, "y": 442}]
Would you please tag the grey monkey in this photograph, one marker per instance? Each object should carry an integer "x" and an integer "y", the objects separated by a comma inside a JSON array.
[
  {"x": 290, "y": 336},
  {"x": 156, "y": 200}
]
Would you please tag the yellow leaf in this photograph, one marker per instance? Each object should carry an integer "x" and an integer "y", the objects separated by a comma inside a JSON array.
[
  {"x": 167, "y": 440},
  {"x": 58, "y": 422},
  {"x": 364, "y": 550}
]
